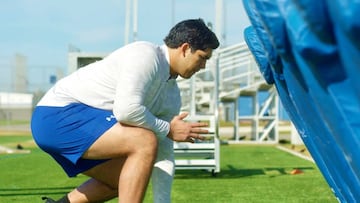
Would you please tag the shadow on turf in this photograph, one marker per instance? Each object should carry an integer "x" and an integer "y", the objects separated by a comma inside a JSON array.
[
  {"x": 232, "y": 172},
  {"x": 41, "y": 191}
]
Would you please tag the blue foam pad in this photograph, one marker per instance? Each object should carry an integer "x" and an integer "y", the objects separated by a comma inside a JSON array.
[
  {"x": 259, "y": 53},
  {"x": 313, "y": 50}
]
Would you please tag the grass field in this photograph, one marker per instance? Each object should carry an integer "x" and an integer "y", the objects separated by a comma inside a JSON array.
[{"x": 248, "y": 174}]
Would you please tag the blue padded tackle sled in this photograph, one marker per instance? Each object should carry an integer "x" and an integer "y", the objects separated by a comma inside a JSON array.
[{"x": 310, "y": 50}]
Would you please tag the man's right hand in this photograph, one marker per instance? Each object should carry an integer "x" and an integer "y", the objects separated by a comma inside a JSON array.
[{"x": 182, "y": 131}]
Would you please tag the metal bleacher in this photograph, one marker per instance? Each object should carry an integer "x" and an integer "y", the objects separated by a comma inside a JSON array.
[{"x": 230, "y": 74}]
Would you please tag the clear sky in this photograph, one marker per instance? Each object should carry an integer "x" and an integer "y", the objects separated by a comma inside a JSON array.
[{"x": 43, "y": 30}]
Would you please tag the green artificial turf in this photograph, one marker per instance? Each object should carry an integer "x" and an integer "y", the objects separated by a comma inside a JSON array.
[{"x": 248, "y": 174}]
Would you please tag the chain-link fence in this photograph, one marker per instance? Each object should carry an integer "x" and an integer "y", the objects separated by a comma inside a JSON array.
[{"x": 21, "y": 87}]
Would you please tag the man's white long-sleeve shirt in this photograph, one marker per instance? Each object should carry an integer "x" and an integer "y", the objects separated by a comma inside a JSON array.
[{"x": 133, "y": 81}]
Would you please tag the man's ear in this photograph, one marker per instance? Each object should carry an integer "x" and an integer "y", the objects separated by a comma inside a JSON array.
[{"x": 184, "y": 48}]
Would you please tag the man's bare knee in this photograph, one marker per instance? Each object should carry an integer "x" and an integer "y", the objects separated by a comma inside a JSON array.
[{"x": 147, "y": 142}]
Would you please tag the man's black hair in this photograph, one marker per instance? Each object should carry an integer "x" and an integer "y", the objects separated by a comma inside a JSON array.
[{"x": 192, "y": 31}]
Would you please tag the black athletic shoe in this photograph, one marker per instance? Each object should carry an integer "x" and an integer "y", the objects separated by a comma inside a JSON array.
[{"x": 48, "y": 200}]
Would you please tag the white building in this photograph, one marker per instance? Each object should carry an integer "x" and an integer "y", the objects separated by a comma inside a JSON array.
[{"x": 15, "y": 106}]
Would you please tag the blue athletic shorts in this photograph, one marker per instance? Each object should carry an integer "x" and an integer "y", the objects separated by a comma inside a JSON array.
[{"x": 67, "y": 132}]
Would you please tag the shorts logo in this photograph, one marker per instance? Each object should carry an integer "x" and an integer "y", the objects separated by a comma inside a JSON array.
[{"x": 110, "y": 117}]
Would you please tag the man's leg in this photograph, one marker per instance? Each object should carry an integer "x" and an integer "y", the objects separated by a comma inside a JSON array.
[
  {"x": 162, "y": 175},
  {"x": 133, "y": 151},
  {"x": 93, "y": 191}
]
